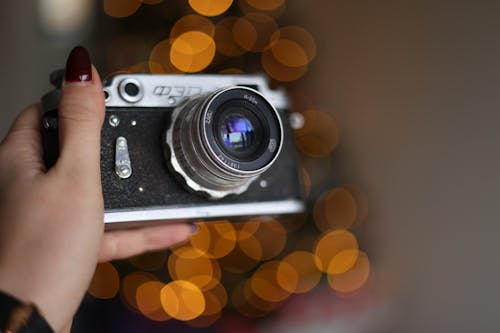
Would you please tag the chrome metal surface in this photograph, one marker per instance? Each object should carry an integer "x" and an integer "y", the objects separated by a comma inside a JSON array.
[
  {"x": 123, "y": 166},
  {"x": 207, "y": 212},
  {"x": 173, "y": 89}
]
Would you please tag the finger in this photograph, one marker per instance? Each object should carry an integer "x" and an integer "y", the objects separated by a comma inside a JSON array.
[
  {"x": 23, "y": 140},
  {"x": 126, "y": 243},
  {"x": 81, "y": 113}
]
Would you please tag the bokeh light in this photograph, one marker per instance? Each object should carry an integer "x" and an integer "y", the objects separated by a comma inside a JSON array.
[
  {"x": 190, "y": 264},
  {"x": 105, "y": 282},
  {"x": 265, "y": 4},
  {"x": 255, "y": 32},
  {"x": 192, "y": 51},
  {"x": 333, "y": 243},
  {"x": 263, "y": 239},
  {"x": 305, "y": 267},
  {"x": 335, "y": 209},
  {"x": 256, "y": 302},
  {"x": 353, "y": 279},
  {"x": 215, "y": 300},
  {"x": 140, "y": 67},
  {"x": 298, "y": 46},
  {"x": 247, "y": 303},
  {"x": 215, "y": 239},
  {"x": 159, "y": 59},
  {"x": 237, "y": 261},
  {"x": 342, "y": 261},
  {"x": 278, "y": 71},
  {"x": 129, "y": 285},
  {"x": 121, "y": 8},
  {"x": 273, "y": 8},
  {"x": 204, "y": 321},
  {"x": 192, "y": 22},
  {"x": 250, "y": 245},
  {"x": 264, "y": 281},
  {"x": 252, "y": 267},
  {"x": 319, "y": 136},
  {"x": 290, "y": 52},
  {"x": 210, "y": 7},
  {"x": 182, "y": 300},
  {"x": 361, "y": 202},
  {"x": 148, "y": 300},
  {"x": 225, "y": 39}
]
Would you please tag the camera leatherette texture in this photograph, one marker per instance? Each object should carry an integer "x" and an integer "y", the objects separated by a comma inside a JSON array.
[{"x": 152, "y": 183}]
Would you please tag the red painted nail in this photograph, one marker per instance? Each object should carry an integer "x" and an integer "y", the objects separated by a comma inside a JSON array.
[{"x": 78, "y": 66}]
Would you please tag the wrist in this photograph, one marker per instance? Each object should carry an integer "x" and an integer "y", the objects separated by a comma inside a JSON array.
[
  {"x": 26, "y": 298},
  {"x": 19, "y": 317}
]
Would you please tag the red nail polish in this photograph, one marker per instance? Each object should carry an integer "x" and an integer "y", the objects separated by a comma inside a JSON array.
[{"x": 78, "y": 66}]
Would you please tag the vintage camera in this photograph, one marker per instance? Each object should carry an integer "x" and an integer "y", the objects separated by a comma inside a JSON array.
[{"x": 190, "y": 148}]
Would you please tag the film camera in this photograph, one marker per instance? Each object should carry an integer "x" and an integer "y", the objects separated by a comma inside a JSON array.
[{"x": 190, "y": 148}]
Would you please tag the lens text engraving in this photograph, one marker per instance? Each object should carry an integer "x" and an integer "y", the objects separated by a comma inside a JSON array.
[
  {"x": 229, "y": 163},
  {"x": 251, "y": 99}
]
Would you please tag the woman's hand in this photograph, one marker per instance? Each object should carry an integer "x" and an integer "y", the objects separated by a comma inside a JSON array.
[{"x": 51, "y": 221}]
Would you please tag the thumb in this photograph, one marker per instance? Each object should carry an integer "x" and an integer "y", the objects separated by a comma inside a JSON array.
[{"x": 81, "y": 113}]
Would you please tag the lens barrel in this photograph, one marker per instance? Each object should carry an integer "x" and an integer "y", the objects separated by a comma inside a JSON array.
[{"x": 220, "y": 142}]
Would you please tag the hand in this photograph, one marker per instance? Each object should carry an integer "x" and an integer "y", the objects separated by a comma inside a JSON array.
[{"x": 51, "y": 221}]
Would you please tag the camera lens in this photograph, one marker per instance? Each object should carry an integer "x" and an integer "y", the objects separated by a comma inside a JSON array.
[
  {"x": 237, "y": 133},
  {"x": 223, "y": 141},
  {"x": 241, "y": 134}
]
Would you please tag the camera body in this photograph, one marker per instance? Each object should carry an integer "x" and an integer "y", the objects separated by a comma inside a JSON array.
[{"x": 191, "y": 148}]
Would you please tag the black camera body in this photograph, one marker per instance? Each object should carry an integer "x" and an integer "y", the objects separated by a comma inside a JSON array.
[{"x": 191, "y": 148}]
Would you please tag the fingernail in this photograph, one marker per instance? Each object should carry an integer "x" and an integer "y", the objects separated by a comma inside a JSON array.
[
  {"x": 194, "y": 228},
  {"x": 78, "y": 66}
]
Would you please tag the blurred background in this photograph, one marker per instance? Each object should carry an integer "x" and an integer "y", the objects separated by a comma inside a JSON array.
[{"x": 399, "y": 152}]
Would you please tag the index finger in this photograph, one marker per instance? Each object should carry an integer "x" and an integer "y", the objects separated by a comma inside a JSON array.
[{"x": 127, "y": 243}]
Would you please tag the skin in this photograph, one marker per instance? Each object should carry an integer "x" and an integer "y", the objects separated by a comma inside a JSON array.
[{"x": 51, "y": 221}]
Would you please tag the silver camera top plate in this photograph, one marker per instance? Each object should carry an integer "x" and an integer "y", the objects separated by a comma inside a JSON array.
[{"x": 171, "y": 90}]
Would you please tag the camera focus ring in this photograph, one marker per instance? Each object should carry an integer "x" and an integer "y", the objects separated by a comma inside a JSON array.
[{"x": 221, "y": 142}]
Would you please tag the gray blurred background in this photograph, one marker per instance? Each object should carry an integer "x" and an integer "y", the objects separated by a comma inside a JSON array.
[{"x": 414, "y": 89}]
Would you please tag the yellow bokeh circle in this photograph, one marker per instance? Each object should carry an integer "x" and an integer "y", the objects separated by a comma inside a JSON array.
[
  {"x": 192, "y": 265},
  {"x": 182, "y": 300},
  {"x": 353, "y": 279},
  {"x": 264, "y": 282},
  {"x": 265, "y": 4},
  {"x": 192, "y": 51},
  {"x": 210, "y": 7},
  {"x": 332, "y": 244},
  {"x": 131, "y": 283},
  {"x": 335, "y": 209},
  {"x": 192, "y": 22},
  {"x": 306, "y": 273},
  {"x": 105, "y": 282},
  {"x": 121, "y": 8},
  {"x": 148, "y": 300},
  {"x": 215, "y": 239}
]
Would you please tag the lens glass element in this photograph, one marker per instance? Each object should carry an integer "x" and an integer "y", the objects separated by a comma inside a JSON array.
[
  {"x": 237, "y": 133},
  {"x": 239, "y": 130}
]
